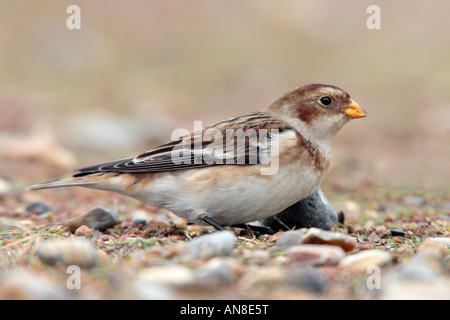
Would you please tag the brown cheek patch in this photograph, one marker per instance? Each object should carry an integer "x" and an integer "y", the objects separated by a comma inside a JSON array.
[{"x": 307, "y": 113}]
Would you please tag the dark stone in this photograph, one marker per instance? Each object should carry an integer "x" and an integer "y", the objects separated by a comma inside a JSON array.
[
  {"x": 313, "y": 211},
  {"x": 307, "y": 279},
  {"x": 139, "y": 221},
  {"x": 341, "y": 217},
  {"x": 38, "y": 208},
  {"x": 97, "y": 218},
  {"x": 396, "y": 232}
]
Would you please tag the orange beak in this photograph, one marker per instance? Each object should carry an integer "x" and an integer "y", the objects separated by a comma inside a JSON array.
[{"x": 355, "y": 111}]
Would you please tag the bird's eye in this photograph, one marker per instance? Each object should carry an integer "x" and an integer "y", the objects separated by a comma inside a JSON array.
[{"x": 326, "y": 101}]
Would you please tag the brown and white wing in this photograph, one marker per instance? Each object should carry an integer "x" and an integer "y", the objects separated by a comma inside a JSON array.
[{"x": 243, "y": 140}]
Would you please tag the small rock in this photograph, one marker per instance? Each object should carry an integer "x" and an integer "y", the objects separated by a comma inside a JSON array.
[
  {"x": 317, "y": 236},
  {"x": 315, "y": 254},
  {"x": 397, "y": 233},
  {"x": 139, "y": 221},
  {"x": 443, "y": 240},
  {"x": 22, "y": 284},
  {"x": 394, "y": 288},
  {"x": 170, "y": 275},
  {"x": 364, "y": 259},
  {"x": 307, "y": 279},
  {"x": 434, "y": 246},
  {"x": 313, "y": 211},
  {"x": 427, "y": 264},
  {"x": 5, "y": 187},
  {"x": 139, "y": 216},
  {"x": 78, "y": 252},
  {"x": 162, "y": 282},
  {"x": 84, "y": 231},
  {"x": 422, "y": 277},
  {"x": 257, "y": 256},
  {"x": 97, "y": 218},
  {"x": 219, "y": 270},
  {"x": 264, "y": 278},
  {"x": 219, "y": 243},
  {"x": 38, "y": 208},
  {"x": 290, "y": 238},
  {"x": 341, "y": 217}
]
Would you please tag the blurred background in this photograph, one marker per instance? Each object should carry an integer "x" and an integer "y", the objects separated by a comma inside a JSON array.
[{"x": 137, "y": 70}]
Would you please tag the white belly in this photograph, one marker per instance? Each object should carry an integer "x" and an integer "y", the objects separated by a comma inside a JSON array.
[{"x": 230, "y": 194}]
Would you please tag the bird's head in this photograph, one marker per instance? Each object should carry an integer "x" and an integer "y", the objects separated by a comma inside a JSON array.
[{"x": 317, "y": 111}]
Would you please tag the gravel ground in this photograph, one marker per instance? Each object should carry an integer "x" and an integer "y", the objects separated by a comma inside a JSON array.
[{"x": 52, "y": 248}]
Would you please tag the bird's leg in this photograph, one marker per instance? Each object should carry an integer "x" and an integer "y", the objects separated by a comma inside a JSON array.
[
  {"x": 260, "y": 229},
  {"x": 211, "y": 222}
]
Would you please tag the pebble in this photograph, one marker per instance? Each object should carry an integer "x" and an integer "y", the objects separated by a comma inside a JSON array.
[
  {"x": 443, "y": 240},
  {"x": 219, "y": 243},
  {"x": 140, "y": 216},
  {"x": 5, "y": 187},
  {"x": 434, "y": 246},
  {"x": 263, "y": 278},
  {"x": 139, "y": 221},
  {"x": 315, "y": 254},
  {"x": 397, "y": 233},
  {"x": 24, "y": 284},
  {"x": 313, "y": 211},
  {"x": 341, "y": 217},
  {"x": 306, "y": 279},
  {"x": 422, "y": 277},
  {"x": 162, "y": 282},
  {"x": 84, "y": 231},
  {"x": 97, "y": 218},
  {"x": 78, "y": 252},
  {"x": 408, "y": 289},
  {"x": 290, "y": 238},
  {"x": 317, "y": 236},
  {"x": 219, "y": 270},
  {"x": 39, "y": 208},
  {"x": 428, "y": 263},
  {"x": 364, "y": 259}
]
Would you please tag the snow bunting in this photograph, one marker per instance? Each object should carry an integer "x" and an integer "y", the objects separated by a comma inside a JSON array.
[{"x": 239, "y": 170}]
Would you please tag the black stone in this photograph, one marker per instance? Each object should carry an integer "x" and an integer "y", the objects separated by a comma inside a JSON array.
[
  {"x": 139, "y": 221},
  {"x": 313, "y": 211},
  {"x": 341, "y": 217},
  {"x": 396, "y": 232}
]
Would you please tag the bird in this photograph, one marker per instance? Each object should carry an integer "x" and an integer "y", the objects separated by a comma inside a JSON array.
[{"x": 239, "y": 170}]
